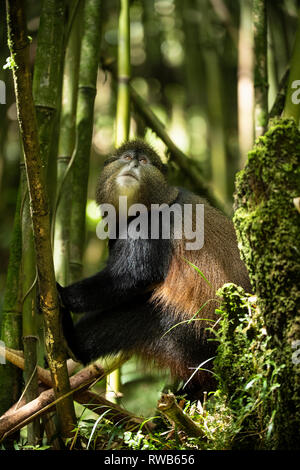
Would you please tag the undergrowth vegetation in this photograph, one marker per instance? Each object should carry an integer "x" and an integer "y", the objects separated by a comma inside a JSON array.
[{"x": 238, "y": 415}]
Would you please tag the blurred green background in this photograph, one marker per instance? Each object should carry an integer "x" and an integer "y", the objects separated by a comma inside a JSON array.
[{"x": 192, "y": 63}]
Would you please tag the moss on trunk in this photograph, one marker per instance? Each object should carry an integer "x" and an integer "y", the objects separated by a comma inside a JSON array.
[
  {"x": 268, "y": 230},
  {"x": 247, "y": 374}
]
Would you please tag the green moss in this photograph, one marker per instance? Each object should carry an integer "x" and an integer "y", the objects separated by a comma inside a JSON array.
[
  {"x": 247, "y": 374},
  {"x": 268, "y": 230}
]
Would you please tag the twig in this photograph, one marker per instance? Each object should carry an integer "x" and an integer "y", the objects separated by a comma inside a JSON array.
[{"x": 168, "y": 406}]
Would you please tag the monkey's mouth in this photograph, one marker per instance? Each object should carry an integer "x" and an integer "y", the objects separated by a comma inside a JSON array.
[{"x": 131, "y": 175}]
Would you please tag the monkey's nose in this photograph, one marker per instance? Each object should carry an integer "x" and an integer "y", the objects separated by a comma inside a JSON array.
[{"x": 134, "y": 163}]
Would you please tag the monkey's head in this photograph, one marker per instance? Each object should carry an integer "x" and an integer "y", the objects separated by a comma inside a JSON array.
[{"x": 134, "y": 170}]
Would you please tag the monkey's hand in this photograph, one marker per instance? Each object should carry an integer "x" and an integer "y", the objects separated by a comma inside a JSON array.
[
  {"x": 60, "y": 295},
  {"x": 67, "y": 327}
]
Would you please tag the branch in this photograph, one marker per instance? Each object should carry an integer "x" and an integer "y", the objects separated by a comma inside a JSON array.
[
  {"x": 168, "y": 406},
  {"x": 14, "y": 420}
]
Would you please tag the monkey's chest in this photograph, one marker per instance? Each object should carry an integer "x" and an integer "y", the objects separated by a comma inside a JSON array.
[{"x": 141, "y": 260}]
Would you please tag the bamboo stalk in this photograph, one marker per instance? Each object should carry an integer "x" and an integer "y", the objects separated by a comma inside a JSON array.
[
  {"x": 67, "y": 138},
  {"x": 19, "y": 49},
  {"x": 224, "y": 15},
  {"x": 47, "y": 83},
  {"x": 292, "y": 106},
  {"x": 123, "y": 77},
  {"x": 186, "y": 164},
  {"x": 47, "y": 72},
  {"x": 261, "y": 84},
  {"x": 113, "y": 381},
  {"x": 213, "y": 87},
  {"x": 89, "y": 60},
  {"x": 11, "y": 315},
  {"x": 245, "y": 82},
  {"x": 14, "y": 357},
  {"x": 193, "y": 60}
]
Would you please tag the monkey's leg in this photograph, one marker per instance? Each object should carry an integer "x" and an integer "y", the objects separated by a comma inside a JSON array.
[
  {"x": 185, "y": 350},
  {"x": 128, "y": 328},
  {"x": 145, "y": 331}
]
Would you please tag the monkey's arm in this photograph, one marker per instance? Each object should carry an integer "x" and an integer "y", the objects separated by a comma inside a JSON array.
[
  {"x": 101, "y": 291},
  {"x": 133, "y": 268}
]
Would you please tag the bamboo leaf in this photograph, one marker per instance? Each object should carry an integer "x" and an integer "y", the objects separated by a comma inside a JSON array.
[{"x": 198, "y": 271}]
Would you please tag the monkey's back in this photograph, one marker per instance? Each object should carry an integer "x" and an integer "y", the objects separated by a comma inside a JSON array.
[{"x": 184, "y": 290}]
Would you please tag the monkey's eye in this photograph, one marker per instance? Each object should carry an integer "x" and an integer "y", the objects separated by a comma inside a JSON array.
[
  {"x": 127, "y": 157},
  {"x": 143, "y": 160}
]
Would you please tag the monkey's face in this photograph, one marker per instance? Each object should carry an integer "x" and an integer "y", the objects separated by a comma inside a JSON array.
[{"x": 134, "y": 171}]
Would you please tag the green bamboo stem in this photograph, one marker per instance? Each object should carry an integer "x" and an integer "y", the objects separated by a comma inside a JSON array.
[
  {"x": 113, "y": 381},
  {"x": 292, "y": 105},
  {"x": 123, "y": 96},
  {"x": 245, "y": 81},
  {"x": 31, "y": 385},
  {"x": 193, "y": 59},
  {"x": 214, "y": 107},
  {"x": 67, "y": 138},
  {"x": 19, "y": 48},
  {"x": 89, "y": 60},
  {"x": 46, "y": 83},
  {"x": 217, "y": 137},
  {"x": 11, "y": 316},
  {"x": 261, "y": 84},
  {"x": 3, "y": 109}
]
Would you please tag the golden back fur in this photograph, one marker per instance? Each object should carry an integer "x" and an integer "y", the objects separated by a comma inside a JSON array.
[{"x": 184, "y": 290}]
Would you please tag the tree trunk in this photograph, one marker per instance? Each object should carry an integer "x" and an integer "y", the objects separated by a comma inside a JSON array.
[
  {"x": 19, "y": 49},
  {"x": 268, "y": 229}
]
